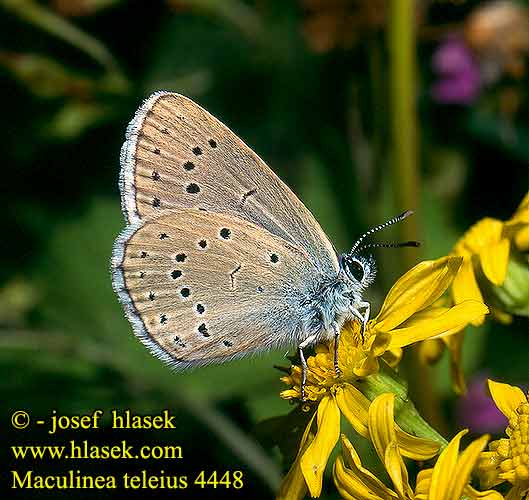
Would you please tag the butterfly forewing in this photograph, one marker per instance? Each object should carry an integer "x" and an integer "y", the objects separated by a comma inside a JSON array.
[
  {"x": 201, "y": 287},
  {"x": 179, "y": 156}
]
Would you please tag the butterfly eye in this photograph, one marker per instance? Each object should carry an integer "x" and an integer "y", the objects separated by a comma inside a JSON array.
[{"x": 356, "y": 270}]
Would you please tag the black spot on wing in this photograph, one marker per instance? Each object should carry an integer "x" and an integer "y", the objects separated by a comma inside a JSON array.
[
  {"x": 193, "y": 188},
  {"x": 203, "y": 330}
]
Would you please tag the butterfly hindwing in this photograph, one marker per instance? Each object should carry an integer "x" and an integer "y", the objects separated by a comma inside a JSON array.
[
  {"x": 201, "y": 287},
  {"x": 179, "y": 156}
]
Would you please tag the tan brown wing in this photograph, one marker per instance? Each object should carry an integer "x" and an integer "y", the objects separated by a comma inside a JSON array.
[
  {"x": 203, "y": 287},
  {"x": 179, "y": 156}
]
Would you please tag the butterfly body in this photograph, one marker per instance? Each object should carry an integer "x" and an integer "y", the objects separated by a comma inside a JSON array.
[
  {"x": 219, "y": 258},
  {"x": 331, "y": 303}
]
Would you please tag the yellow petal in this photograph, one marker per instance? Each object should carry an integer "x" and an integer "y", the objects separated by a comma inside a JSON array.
[
  {"x": 465, "y": 287},
  {"x": 349, "y": 485},
  {"x": 473, "y": 494},
  {"x": 485, "y": 232},
  {"x": 354, "y": 407},
  {"x": 416, "y": 290},
  {"x": 381, "y": 423},
  {"x": 500, "y": 316},
  {"x": 397, "y": 470},
  {"x": 422, "y": 487},
  {"x": 415, "y": 447},
  {"x": 454, "y": 343},
  {"x": 488, "y": 467},
  {"x": 518, "y": 226},
  {"x": 521, "y": 238},
  {"x": 466, "y": 462},
  {"x": 393, "y": 356},
  {"x": 506, "y": 397},
  {"x": 494, "y": 259},
  {"x": 522, "y": 212},
  {"x": 455, "y": 319},
  {"x": 372, "y": 483},
  {"x": 314, "y": 460},
  {"x": 445, "y": 469},
  {"x": 427, "y": 315},
  {"x": 430, "y": 351},
  {"x": 293, "y": 486},
  {"x": 365, "y": 365},
  {"x": 379, "y": 343},
  {"x": 384, "y": 439}
]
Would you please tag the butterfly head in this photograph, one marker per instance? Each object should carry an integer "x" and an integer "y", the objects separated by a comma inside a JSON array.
[
  {"x": 358, "y": 269},
  {"x": 361, "y": 270}
]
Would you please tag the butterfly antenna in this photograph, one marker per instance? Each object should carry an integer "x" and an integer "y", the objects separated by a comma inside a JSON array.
[
  {"x": 389, "y": 245},
  {"x": 388, "y": 223}
]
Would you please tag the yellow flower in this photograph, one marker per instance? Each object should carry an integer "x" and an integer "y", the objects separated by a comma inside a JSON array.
[
  {"x": 447, "y": 480},
  {"x": 489, "y": 274},
  {"x": 407, "y": 316},
  {"x": 485, "y": 249},
  {"x": 316, "y": 448},
  {"x": 518, "y": 225},
  {"x": 508, "y": 458},
  {"x": 352, "y": 480},
  {"x": 294, "y": 486}
]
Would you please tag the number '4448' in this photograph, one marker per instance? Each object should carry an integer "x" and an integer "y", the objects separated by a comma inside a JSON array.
[{"x": 230, "y": 479}]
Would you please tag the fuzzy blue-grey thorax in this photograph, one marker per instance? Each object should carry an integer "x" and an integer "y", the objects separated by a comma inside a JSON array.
[{"x": 335, "y": 298}]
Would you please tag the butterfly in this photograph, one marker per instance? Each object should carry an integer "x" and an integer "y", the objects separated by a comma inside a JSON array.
[{"x": 219, "y": 257}]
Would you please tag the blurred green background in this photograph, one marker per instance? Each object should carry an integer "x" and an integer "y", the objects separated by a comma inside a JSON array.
[{"x": 364, "y": 107}]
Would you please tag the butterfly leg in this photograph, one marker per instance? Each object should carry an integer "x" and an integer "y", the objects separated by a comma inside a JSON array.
[
  {"x": 336, "y": 330},
  {"x": 365, "y": 318},
  {"x": 359, "y": 316},
  {"x": 308, "y": 341}
]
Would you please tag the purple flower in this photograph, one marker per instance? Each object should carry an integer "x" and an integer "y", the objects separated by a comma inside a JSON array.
[
  {"x": 477, "y": 411},
  {"x": 458, "y": 73}
]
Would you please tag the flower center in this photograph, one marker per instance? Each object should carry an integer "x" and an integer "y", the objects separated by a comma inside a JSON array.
[{"x": 515, "y": 467}]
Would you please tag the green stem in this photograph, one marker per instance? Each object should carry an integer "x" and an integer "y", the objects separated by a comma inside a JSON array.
[
  {"x": 403, "y": 108},
  {"x": 403, "y": 95}
]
